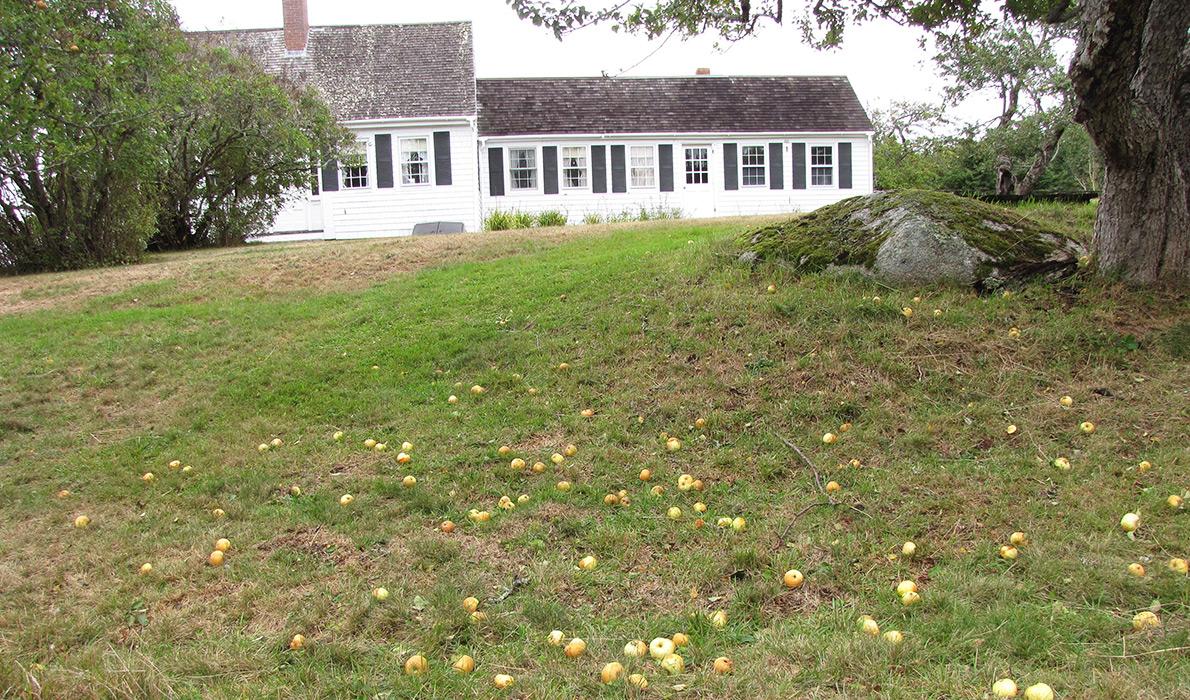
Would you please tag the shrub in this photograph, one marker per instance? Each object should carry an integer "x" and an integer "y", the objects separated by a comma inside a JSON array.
[
  {"x": 522, "y": 219},
  {"x": 551, "y": 218},
  {"x": 498, "y": 221},
  {"x": 592, "y": 218}
]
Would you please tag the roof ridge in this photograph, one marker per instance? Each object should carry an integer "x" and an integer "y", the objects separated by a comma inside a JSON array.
[
  {"x": 661, "y": 77},
  {"x": 330, "y": 26}
]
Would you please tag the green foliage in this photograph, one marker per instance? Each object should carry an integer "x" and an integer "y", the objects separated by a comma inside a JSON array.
[
  {"x": 498, "y": 220},
  {"x": 81, "y": 128},
  {"x": 552, "y": 217},
  {"x": 239, "y": 142}
]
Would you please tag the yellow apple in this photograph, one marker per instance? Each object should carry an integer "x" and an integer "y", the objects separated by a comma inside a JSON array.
[
  {"x": 1008, "y": 552},
  {"x": 638, "y": 681},
  {"x": 906, "y": 311},
  {"x": 722, "y": 665},
  {"x": 538, "y": 467},
  {"x": 523, "y": 498},
  {"x": 1066, "y": 401},
  {"x": 409, "y": 481},
  {"x": 479, "y": 616},
  {"x": 657, "y": 490},
  {"x": 588, "y": 563},
  {"x": 611, "y": 672},
  {"x": 829, "y": 438},
  {"x": 906, "y": 586},
  {"x": 175, "y": 465},
  {"x": 1144, "y": 466},
  {"x": 645, "y": 475},
  {"x": 833, "y": 487},
  {"x": 1087, "y": 427},
  {"x": 346, "y": 499},
  {"x": 719, "y": 619},
  {"x": 1014, "y": 332},
  {"x": 464, "y": 664},
  {"x": 416, "y": 665},
  {"x": 680, "y": 639},
  {"x": 556, "y": 458},
  {"x": 381, "y": 446},
  {"x": 908, "y": 549},
  {"x": 685, "y": 482},
  {"x": 338, "y": 436},
  {"x": 586, "y": 413},
  {"x": 1010, "y": 430},
  {"x": 370, "y": 443},
  {"x": 447, "y": 526},
  {"x": 1130, "y": 522},
  {"x": 739, "y": 524},
  {"x": 406, "y": 446},
  {"x": 503, "y": 681},
  {"x": 563, "y": 366},
  {"x": 635, "y": 649},
  {"x": 575, "y": 648},
  {"x": 723, "y": 522},
  {"x": 1136, "y": 569},
  {"x": 218, "y": 513},
  {"x": 187, "y": 469},
  {"x": 477, "y": 389},
  {"x": 661, "y": 647},
  {"x": 64, "y": 493},
  {"x": 937, "y": 312},
  {"x": 910, "y": 598},
  {"x": 1062, "y": 464},
  {"x": 216, "y": 558},
  {"x": 1004, "y": 688},
  {"x": 700, "y": 507},
  {"x": 870, "y": 627},
  {"x": 570, "y": 450},
  {"x": 222, "y": 544},
  {"x": 673, "y": 513},
  {"x": 146, "y": 569},
  {"x": 894, "y": 637},
  {"x": 563, "y": 486},
  {"x": 82, "y": 521},
  {"x": 295, "y": 490},
  {"x": 517, "y": 464},
  {"x": 380, "y": 594},
  {"x": 673, "y": 444},
  {"x": 471, "y": 604},
  {"x": 148, "y": 477},
  {"x": 297, "y": 642},
  {"x": 262, "y": 447},
  {"x": 673, "y": 664},
  {"x": 555, "y": 638},
  {"x": 771, "y": 289},
  {"x": 700, "y": 423},
  {"x": 452, "y": 399},
  {"x": 1175, "y": 501},
  {"x": 1017, "y": 538},
  {"x": 275, "y": 442},
  {"x": 611, "y": 499},
  {"x": 1039, "y": 691},
  {"x": 1145, "y": 620},
  {"x": 793, "y": 579}
]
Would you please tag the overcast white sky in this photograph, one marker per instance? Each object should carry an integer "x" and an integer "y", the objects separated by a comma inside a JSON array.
[{"x": 883, "y": 61}]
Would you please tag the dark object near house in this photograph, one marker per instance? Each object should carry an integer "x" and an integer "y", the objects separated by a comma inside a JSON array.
[
  {"x": 433, "y": 227},
  {"x": 1065, "y": 197}
]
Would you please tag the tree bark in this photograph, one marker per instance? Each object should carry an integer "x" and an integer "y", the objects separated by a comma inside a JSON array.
[
  {"x": 1045, "y": 155},
  {"x": 1131, "y": 78}
]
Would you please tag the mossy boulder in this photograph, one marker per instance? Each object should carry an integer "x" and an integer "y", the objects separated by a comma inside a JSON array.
[{"x": 917, "y": 236}]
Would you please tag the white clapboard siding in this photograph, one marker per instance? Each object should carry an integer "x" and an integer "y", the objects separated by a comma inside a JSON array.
[{"x": 694, "y": 201}]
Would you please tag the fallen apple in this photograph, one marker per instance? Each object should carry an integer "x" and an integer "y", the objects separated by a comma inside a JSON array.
[
  {"x": 297, "y": 642},
  {"x": 555, "y": 638},
  {"x": 403, "y": 458},
  {"x": 719, "y": 619},
  {"x": 1062, "y": 464},
  {"x": 1177, "y": 565},
  {"x": 517, "y": 464},
  {"x": 409, "y": 481},
  {"x": 680, "y": 639},
  {"x": 406, "y": 446},
  {"x": 793, "y": 579},
  {"x": 1130, "y": 522},
  {"x": 638, "y": 681},
  {"x": 586, "y": 413},
  {"x": 381, "y": 446},
  {"x": 833, "y": 487},
  {"x": 771, "y": 289},
  {"x": 611, "y": 499},
  {"x": 1136, "y": 569},
  {"x": 523, "y": 498},
  {"x": 476, "y": 389},
  {"x": 370, "y": 443},
  {"x": 216, "y": 558},
  {"x": 346, "y": 499},
  {"x": 611, "y": 672},
  {"x": 1144, "y": 466},
  {"x": 661, "y": 647},
  {"x": 1087, "y": 427},
  {"x": 674, "y": 513},
  {"x": 575, "y": 648},
  {"x": 82, "y": 521},
  {"x": 464, "y": 664},
  {"x": 906, "y": 311},
  {"x": 1014, "y": 332},
  {"x": 1018, "y": 538},
  {"x": 538, "y": 467},
  {"x": 1008, "y": 552},
  {"x": 1066, "y": 401},
  {"x": 295, "y": 491},
  {"x": 1039, "y": 691},
  {"x": 452, "y": 399},
  {"x": 685, "y": 482},
  {"x": 1145, "y": 620},
  {"x": 416, "y": 665},
  {"x": 1174, "y": 501},
  {"x": 447, "y": 526},
  {"x": 673, "y": 444},
  {"x": 275, "y": 442},
  {"x": 64, "y": 493},
  {"x": 894, "y": 637},
  {"x": 739, "y": 524},
  {"x": 1004, "y": 688},
  {"x": 908, "y": 549},
  {"x": 722, "y": 665},
  {"x": 563, "y": 486},
  {"x": 723, "y": 522},
  {"x": 338, "y": 436},
  {"x": 645, "y": 475},
  {"x": 588, "y": 563},
  {"x": 910, "y": 598},
  {"x": 471, "y": 604},
  {"x": 147, "y": 477},
  {"x": 563, "y": 366},
  {"x": 700, "y": 507},
  {"x": 870, "y": 627},
  {"x": 673, "y": 664},
  {"x": 262, "y": 447},
  {"x": 1010, "y": 430},
  {"x": 829, "y": 438},
  {"x": 222, "y": 544},
  {"x": 503, "y": 681},
  {"x": 700, "y": 423},
  {"x": 657, "y": 490},
  {"x": 557, "y": 458},
  {"x": 218, "y": 513},
  {"x": 146, "y": 569},
  {"x": 635, "y": 649},
  {"x": 175, "y": 465},
  {"x": 906, "y": 586}
]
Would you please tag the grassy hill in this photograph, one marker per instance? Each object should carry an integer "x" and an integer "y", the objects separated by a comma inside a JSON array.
[{"x": 200, "y": 358}]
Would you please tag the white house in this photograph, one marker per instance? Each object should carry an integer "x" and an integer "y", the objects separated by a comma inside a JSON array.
[{"x": 438, "y": 149}]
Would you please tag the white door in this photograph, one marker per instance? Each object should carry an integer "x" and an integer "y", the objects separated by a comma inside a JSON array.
[{"x": 694, "y": 176}]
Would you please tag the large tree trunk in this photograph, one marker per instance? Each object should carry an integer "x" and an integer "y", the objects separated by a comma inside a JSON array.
[{"x": 1131, "y": 77}]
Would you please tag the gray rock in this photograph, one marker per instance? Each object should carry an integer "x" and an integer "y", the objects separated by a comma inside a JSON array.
[{"x": 918, "y": 249}]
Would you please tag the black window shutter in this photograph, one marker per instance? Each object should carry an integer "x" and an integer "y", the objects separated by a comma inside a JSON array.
[
  {"x": 799, "y": 166},
  {"x": 442, "y": 174},
  {"x": 330, "y": 176},
  {"x": 665, "y": 153},
  {"x": 776, "y": 166},
  {"x": 844, "y": 166},
  {"x": 619, "y": 179},
  {"x": 496, "y": 171},
  {"x": 599, "y": 169},
  {"x": 549, "y": 169},
  {"x": 384, "y": 160},
  {"x": 730, "y": 170}
]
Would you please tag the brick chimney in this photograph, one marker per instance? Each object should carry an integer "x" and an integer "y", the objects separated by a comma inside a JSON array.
[
  {"x": 297, "y": 25},
  {"x": 702, "y": 71}
]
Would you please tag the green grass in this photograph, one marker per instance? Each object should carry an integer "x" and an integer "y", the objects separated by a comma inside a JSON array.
[{"x": 659, "y": 330}]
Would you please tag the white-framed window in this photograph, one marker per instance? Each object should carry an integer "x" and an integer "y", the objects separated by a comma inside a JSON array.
[
  {"x": 752, "y": 166},
  {"x": 698, "y": 165},
  {"x": 415, "y": 161},
  {"x": 574, "y": 167},
  {"x": 642, "y": 166},
  {"x": 354, "y": 168},
  {"x": 522, "y": 168},
  {"x": 822, "y": 165}
]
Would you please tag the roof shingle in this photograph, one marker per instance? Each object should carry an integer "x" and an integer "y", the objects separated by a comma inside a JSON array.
[
  {"x": 382, "y": 71},
  {"x": 703, "y": 104}
]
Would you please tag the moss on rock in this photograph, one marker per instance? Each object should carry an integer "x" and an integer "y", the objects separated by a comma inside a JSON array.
[{"x": 917, "y": 236}]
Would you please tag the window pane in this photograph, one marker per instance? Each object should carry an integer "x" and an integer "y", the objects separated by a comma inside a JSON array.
[
  {"x": 752, "y": 160},
  {"x": 698, "y": 171},
  {"x": 523, "y": 168},
  {"x": 821, "y": 176},
  {"x": 355, "y": 167},
  {"x": 415, "y": 162},
  {"x": 821, "y": 155},
  {"x": 574, "y": 166},
  {"x": 641, "y": 159}
]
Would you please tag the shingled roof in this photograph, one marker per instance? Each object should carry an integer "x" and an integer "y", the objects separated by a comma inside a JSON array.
[
  {"x": 703, "y": 104},
  {"x": 384, "y": 71}
]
